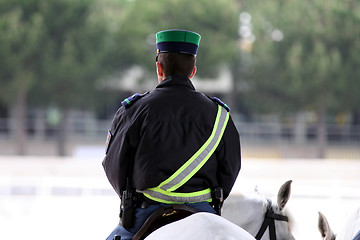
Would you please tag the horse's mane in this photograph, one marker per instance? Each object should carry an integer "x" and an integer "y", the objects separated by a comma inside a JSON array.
[{"x": 291, "y": 221}]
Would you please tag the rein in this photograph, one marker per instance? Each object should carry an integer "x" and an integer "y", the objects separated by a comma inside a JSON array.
[{"x": 269, "y": 221}]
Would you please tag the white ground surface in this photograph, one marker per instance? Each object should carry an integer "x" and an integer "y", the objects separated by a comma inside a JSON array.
[{"x": 67, "y": 198}]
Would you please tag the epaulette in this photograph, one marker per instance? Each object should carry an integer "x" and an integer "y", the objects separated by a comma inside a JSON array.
[
  {"x": 130, "y": 100},
  {"x": 221, "y": 103}
]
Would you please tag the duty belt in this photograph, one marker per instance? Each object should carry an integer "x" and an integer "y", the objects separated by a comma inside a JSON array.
[{"x": 164, "y": 193}]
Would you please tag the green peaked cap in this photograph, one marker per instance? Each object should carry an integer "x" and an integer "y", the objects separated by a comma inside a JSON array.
[{"x": 175, "y": 40}]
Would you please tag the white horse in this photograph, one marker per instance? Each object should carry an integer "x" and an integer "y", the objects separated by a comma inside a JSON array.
[
  {"x": 254, "y": 215},
  {"x": 348, "y": 232}
]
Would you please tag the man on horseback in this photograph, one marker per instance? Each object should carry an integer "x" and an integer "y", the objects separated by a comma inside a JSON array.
[{"x": 172, "y": 145}]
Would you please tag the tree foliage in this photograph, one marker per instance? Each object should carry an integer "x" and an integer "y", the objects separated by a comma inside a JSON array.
[
  {"x": 215, "y": 20},
  {"x": 50, "y": 51},
  {"x": 304, "y": 58},
  {"x": 73, "y": 53},
  {"x": 314, "y": 64},
  {"x": 20, "y": 45}
]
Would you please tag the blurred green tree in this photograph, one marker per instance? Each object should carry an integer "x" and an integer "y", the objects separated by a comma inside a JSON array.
[
  {"x": 53, "y": 50},
  {"x": 215, "y": 20},
  {"x": 22, "y": 33},
  {"x": 304, "y": 57},
  {"x": 77, "y": 41}
]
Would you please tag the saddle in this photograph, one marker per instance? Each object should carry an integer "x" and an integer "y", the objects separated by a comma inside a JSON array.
[{"x": 163, "y": 216}]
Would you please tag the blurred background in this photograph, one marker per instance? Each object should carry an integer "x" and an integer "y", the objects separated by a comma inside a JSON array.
[{"x": 289, "y": 70}]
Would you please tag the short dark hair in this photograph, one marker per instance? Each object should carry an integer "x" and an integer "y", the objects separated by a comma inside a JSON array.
[{"x": 177, "y": 63}]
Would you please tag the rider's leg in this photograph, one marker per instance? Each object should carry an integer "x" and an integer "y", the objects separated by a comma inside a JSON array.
[
  {"x": 120, "y": 231},
  {"x": 141, "y": 214},
  {"x": 357, "y": 236}
]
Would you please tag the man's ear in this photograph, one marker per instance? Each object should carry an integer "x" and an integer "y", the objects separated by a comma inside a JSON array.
[
  {"x": 159, "y": 69},
  {"x": 193, "y": 72}
]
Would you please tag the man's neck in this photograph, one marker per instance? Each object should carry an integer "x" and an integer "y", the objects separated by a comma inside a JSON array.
[{"x": 161, "y": 78}]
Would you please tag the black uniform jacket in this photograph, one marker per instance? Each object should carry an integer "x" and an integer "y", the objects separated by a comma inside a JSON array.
[{"x": 158, "y": 133}]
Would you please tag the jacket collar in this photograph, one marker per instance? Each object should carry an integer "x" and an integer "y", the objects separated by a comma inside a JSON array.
[{"x": 176, "y": 80}]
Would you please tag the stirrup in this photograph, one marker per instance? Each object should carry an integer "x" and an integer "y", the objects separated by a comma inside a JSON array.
[{"x": 163, "y": 216}]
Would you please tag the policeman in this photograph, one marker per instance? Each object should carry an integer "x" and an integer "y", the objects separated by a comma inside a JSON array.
[{"x": 172, "y": 145}]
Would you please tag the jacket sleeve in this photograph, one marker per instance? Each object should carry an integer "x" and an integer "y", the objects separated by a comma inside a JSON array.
[
  {"x": 118, "y": 160},
  {"x": 229, "y": 156}
]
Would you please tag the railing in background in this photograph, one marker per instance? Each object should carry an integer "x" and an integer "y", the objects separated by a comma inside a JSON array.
[
  {"x": 85, "y": 128},
  {"x": 274, "y": 139}
]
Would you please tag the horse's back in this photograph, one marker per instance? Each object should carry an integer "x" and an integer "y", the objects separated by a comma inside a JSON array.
[{"x": 201, "y": 226}]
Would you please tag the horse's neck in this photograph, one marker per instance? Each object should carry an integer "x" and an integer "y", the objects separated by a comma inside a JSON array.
[
  {"x": 245, "y": 211},
  {"x": 351, "y": 227}
]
